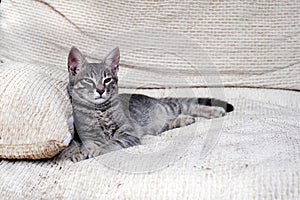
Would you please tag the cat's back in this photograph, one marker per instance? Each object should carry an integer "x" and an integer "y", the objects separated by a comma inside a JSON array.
[
  {"x": 136, "y": 98},
  {"x": 137, "y": 101}
]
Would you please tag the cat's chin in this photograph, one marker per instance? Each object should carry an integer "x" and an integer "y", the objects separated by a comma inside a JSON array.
[{"x": 100, "y": 100}]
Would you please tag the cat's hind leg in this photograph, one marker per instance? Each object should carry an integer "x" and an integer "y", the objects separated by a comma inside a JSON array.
[
  {"x": 208, "y": 112},
  {"x": 198, "y": 107},
  {"x": 180, "y": 121}
]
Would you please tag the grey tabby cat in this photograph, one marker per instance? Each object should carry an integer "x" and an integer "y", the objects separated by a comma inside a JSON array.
[{"x": 106, "y": 121}]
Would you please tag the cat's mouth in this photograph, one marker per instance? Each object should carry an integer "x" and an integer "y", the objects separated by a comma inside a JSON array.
[{"x": 100, "y": 98}]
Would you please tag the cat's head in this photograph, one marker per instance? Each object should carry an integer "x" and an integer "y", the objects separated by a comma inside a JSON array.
[{"x": 93, "y": 82}]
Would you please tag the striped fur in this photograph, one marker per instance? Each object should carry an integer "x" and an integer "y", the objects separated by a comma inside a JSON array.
[{"x": 106, "y": 121}]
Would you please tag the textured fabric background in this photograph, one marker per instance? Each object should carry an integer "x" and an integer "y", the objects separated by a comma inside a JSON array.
[
  {"x": 253, "y": 153},
  {"x": 256, "y": 157},
  {"x": 231, "y": 43}
]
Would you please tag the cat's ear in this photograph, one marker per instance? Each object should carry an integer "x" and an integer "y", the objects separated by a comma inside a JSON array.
[
  {"x": 75, "y": 61},
  {"x": 112, "y": 60}
]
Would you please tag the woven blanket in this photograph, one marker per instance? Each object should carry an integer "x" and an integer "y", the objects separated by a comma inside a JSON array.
[
  {"x": 252, "y": 153},
  {"x": 217, "y": 49},
  {"x": 230, "y": 43}
]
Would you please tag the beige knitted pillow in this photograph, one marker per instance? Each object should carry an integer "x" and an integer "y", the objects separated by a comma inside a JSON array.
[{"x": 34, "y": 108}]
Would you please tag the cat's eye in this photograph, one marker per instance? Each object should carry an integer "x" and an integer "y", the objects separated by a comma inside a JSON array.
[
  {"x": 107, "y": 80},
  {"x": 87, "y": 81}
]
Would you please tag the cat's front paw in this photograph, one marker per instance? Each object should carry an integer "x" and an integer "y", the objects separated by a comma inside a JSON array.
[
  {"x": 82, "y": 154},
  {"x": 68, "y": 152},
  {"x": 86, "y": 151}
]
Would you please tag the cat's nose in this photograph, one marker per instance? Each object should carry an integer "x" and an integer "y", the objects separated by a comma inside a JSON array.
[{"x": 100, "y": 91}]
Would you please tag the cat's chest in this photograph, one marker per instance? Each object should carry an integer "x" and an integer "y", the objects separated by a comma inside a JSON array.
[
  {"x": 104, "y": 118},
  {"x": 106, "y": 122}
]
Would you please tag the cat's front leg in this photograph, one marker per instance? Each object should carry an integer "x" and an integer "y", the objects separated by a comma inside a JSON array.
[
  {"x": 88, "y": 149},
  {"x": 71, "y": 150},
  {"x": 91, "y": 149},
  {"x": 78, "y": 151}
]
